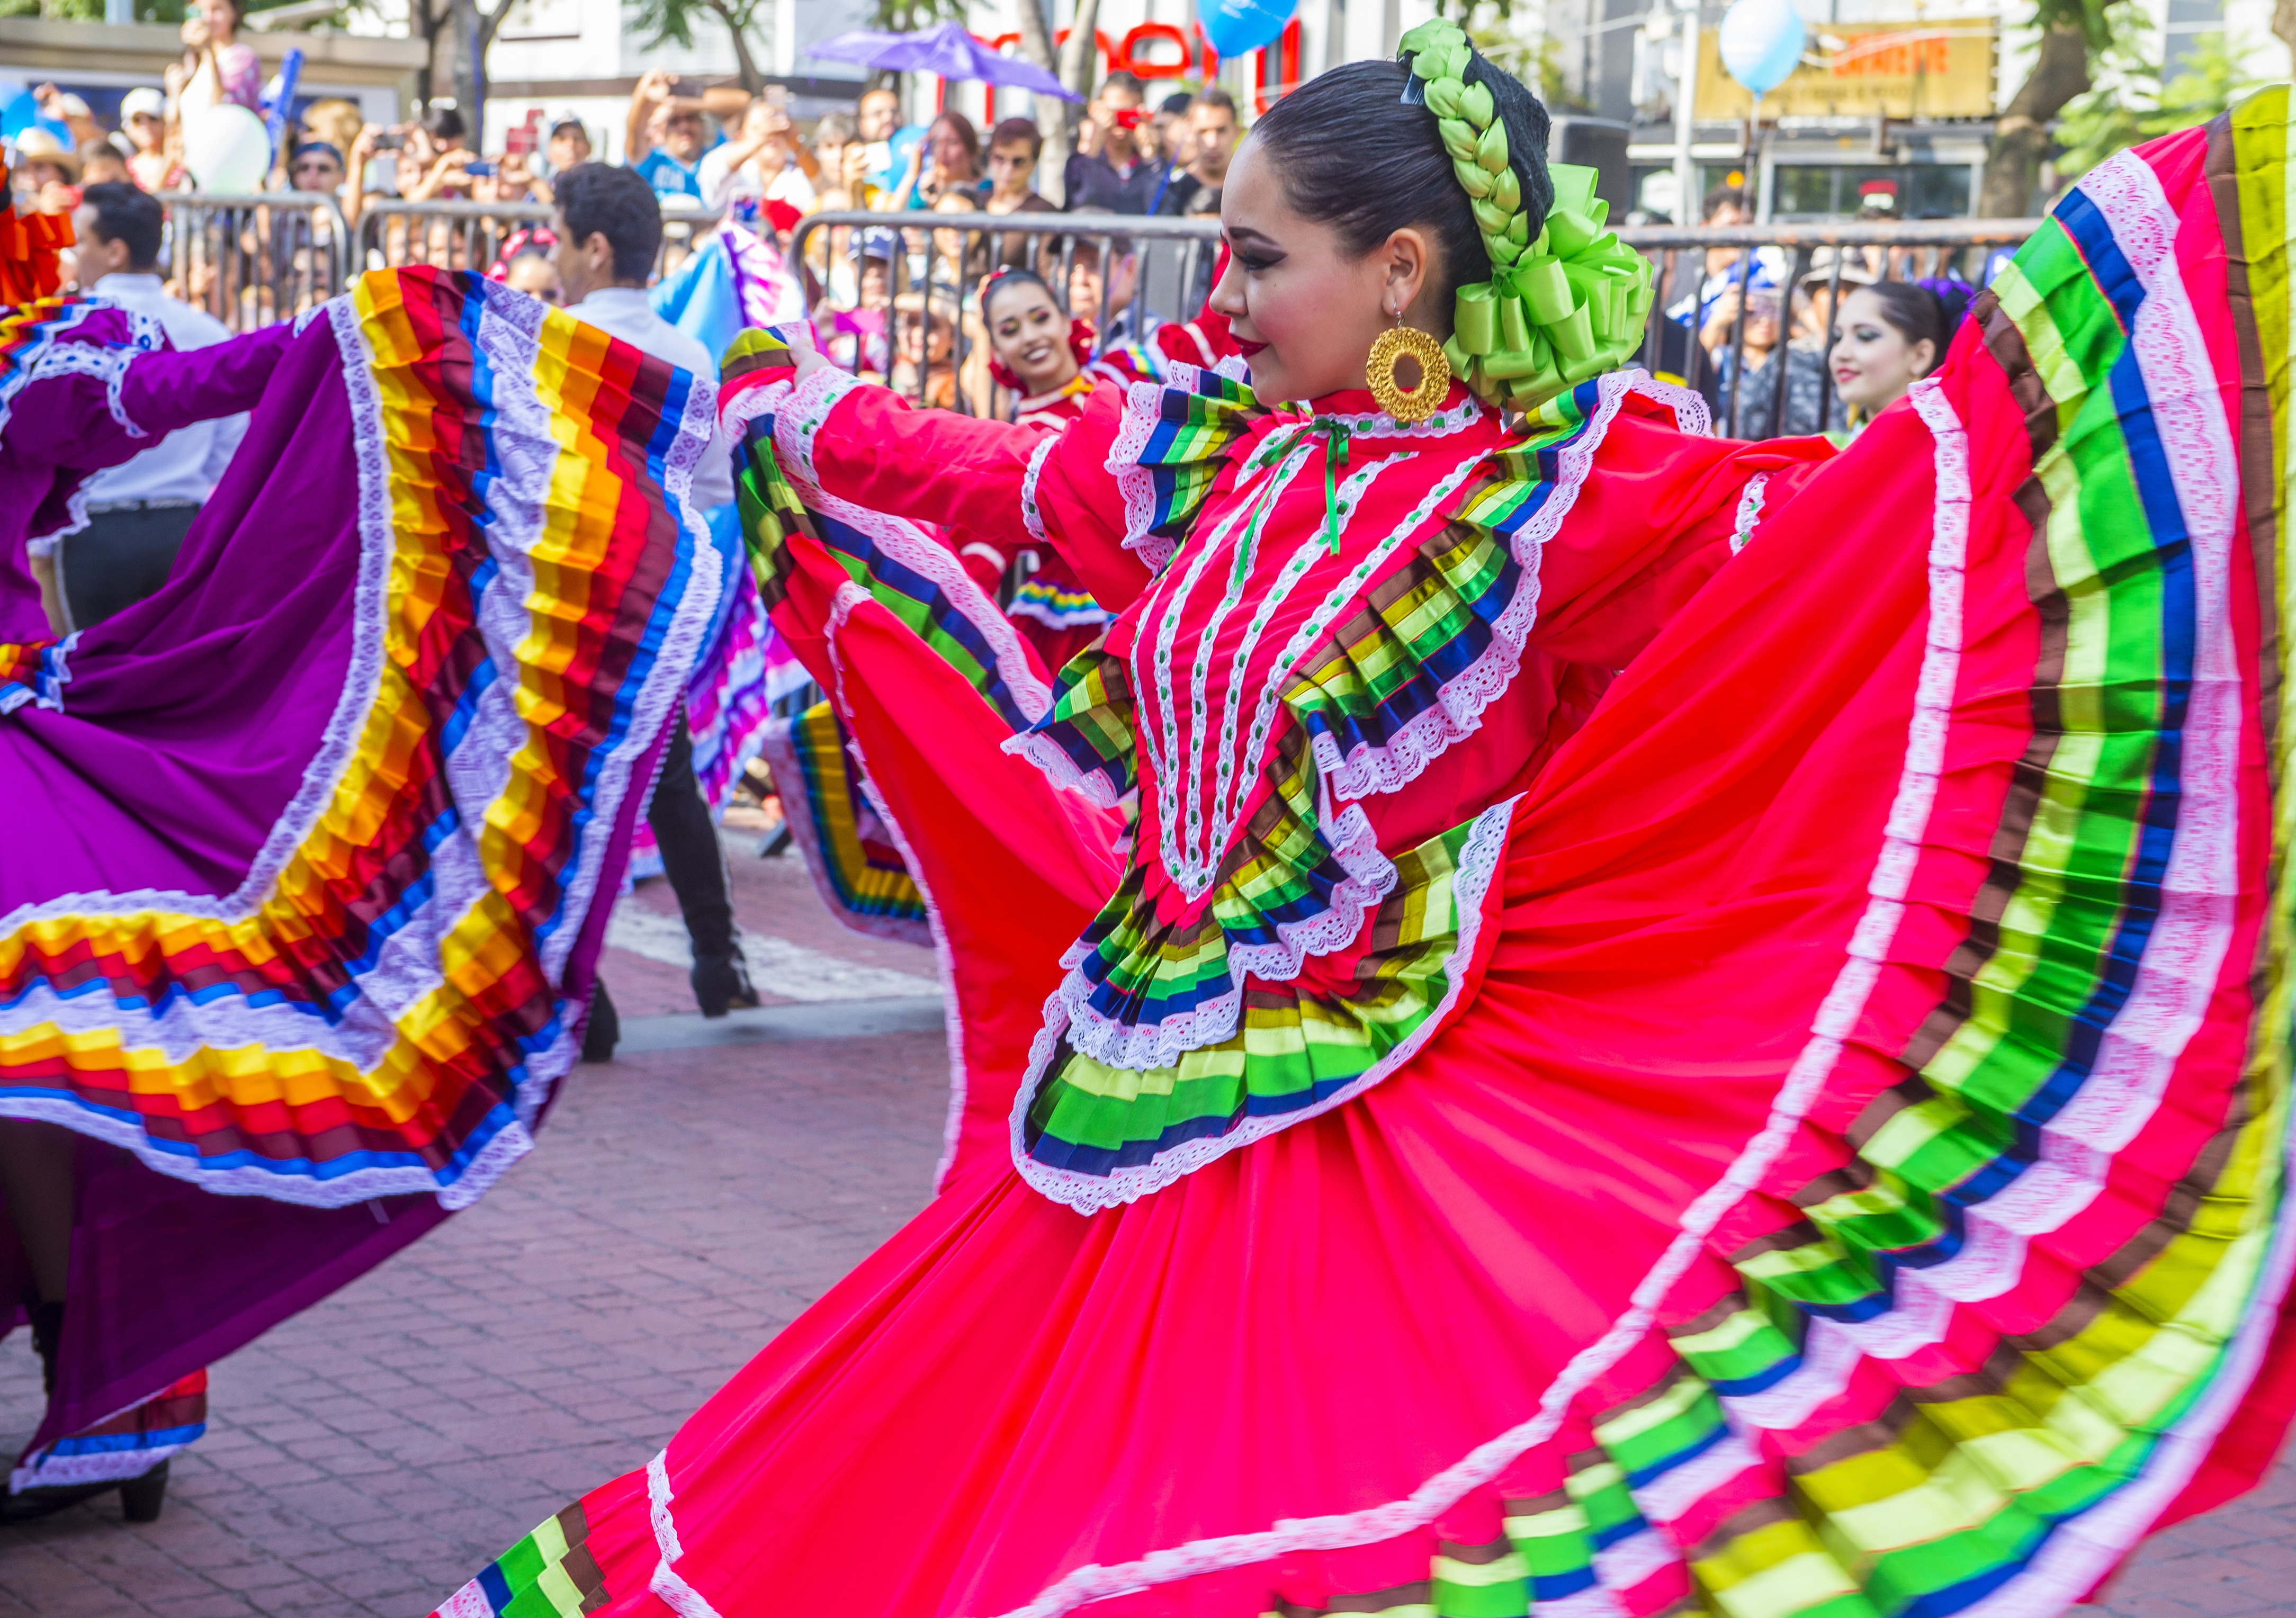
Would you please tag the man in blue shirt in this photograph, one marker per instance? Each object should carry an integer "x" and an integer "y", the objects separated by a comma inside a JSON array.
[{"x": 667, "y": 136}]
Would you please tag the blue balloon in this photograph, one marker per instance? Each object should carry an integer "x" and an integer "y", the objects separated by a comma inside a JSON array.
[
  {"x": 1761, "y": 41},
  {"x": 1237, "y": 27},
  {"x": 20, "y": 114}
]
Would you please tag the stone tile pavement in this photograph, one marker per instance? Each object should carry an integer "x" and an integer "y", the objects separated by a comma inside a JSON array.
[{"x": 367, "y": 1457}]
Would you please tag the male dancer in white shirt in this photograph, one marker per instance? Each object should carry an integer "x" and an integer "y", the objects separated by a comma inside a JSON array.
[
  {"x": 139, "y": 511},
  {"x": 609, "y": 228}
]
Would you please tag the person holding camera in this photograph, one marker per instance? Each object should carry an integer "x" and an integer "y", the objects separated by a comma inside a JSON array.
[
  {"x": 668, "y": 133},
  {"x": 1122, "y": 177}
]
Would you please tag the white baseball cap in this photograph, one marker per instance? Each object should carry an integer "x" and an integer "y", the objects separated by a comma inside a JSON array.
[{"x": 144, "y": 99}]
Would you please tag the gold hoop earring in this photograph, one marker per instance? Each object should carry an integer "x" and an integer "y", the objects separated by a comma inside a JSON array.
[{"x": 1412, "y": 403}]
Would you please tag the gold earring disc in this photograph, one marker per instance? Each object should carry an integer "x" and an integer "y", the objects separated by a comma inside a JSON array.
[{"x": 1412, "y": 404}]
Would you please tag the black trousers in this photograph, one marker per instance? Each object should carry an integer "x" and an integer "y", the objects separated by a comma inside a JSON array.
[
  {"x": 119, "y": 558},
  {"x": 690, "y": 854}
]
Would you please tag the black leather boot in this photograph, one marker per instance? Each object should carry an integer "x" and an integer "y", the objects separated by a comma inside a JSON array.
[
  {"x": 603, "y": 1030},
  {"x": 721, "y": 983},
  {"x": 47, "y": 1337}
]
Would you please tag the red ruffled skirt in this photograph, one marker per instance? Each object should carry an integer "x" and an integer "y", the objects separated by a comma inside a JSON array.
[{"x": 1853, "y": 1189}]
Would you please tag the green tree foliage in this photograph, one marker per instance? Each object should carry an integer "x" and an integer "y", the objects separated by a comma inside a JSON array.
[
  {"x": 2144, "y": 99},
  {"x": 905, "y": 16},
  {"x": 1534, "y": 57},
  {"x": 671, "y": 22}
]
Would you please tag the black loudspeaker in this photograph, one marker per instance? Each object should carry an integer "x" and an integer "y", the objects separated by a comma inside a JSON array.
[{"x": 1599, "y": 143}]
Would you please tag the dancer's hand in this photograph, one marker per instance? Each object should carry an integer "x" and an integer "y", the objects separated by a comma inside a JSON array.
[{"x": 799, "y": 334}]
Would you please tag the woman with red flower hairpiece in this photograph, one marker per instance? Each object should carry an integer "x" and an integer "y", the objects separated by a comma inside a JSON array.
[{"x": 1039, "y": 353}]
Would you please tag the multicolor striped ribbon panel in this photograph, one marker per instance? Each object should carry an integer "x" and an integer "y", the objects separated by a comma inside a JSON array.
[
  {"x": 862, "y": 874},
  {"x": 1055, "y": 605},
  {"x": 490, "y": 763},
  {"x": 1822, "y": 1443},
  {"x": 1296, "y": 1044},
  {"x": 26, "y": 331}
]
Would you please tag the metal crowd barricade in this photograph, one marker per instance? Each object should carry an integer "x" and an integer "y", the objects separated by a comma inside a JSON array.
[
  {"x": 465, "y": 235},
  {"x": 263, "y": 256},
  {"x": 936, "y": 259},
  {"x": 255, "y": 258},
  {"x": 1684, "y": 262},
  {"x": 945, "y": 261}
]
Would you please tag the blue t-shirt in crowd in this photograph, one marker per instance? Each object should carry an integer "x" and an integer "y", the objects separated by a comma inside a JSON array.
[
  {"x": 668, "y": 176},
  {"x": 897, "y": 156}
]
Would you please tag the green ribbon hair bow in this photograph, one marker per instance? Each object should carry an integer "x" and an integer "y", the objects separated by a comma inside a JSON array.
[{"x": 1557, "y": 310}]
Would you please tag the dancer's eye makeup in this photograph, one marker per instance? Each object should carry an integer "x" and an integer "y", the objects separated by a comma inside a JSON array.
[{"x": 1255, "y": 253}]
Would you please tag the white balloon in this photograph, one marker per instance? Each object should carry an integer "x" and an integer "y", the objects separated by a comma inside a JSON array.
[
  {"x": 1761, "y": 42},
  {"x": 228, "y": 149}
]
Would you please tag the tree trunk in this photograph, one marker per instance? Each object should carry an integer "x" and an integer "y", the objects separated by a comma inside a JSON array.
[
  {"x": 428, "y": 22},
  {"x": 469, "y": 35},
  {"x": 2284, "y": 25},
  {"x": 1077, "y": 60},
  {"x": 1055, "y": 116},
  {"x": 753, "y": 79},
  {"x": 2020, "y": 139}
]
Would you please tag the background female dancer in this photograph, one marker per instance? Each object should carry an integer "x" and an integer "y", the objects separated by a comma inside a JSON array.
[
  {"x": 1687, "y": 1025},
  {"x": 1040, "y": 356},
  {"x": 1892, "y": 334}
]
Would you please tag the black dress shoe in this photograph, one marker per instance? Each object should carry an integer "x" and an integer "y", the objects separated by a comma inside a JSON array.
[
  {"x": 721, "y": 983},
  {"x": 141, "y": 1498}
]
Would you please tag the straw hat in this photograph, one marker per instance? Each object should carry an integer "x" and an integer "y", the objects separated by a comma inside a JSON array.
[
  {"x": 37, "y": 145},
  {"x": 1820, "y": 274}
]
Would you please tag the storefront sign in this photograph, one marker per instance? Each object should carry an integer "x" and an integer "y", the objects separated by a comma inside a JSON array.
[{"x": 1903, "y": 69}]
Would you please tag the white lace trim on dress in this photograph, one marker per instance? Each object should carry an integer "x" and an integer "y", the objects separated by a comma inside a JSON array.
[
  {"x": 798, "y": 420},
  {"x": 1032, "y": 518},
  {"x": 1750, "y": 511},
  {"x": 1478, "y": 861}
]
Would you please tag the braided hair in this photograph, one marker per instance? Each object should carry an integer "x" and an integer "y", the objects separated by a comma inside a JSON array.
[{"x": 1354, "y": 154}]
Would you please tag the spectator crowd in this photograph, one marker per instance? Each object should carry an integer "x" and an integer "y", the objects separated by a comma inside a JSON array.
[
  {"x": 903, "y": 300},
  {"x": 709, "y": 151}
]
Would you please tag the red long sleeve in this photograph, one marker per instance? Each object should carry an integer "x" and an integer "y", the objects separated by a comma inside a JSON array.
[
  {"x": 871, "y": 446},
  {"x": 1654, "y": 520}
]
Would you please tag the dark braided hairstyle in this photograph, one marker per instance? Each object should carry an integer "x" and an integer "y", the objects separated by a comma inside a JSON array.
[
  {"x": 1914, "y": 312},
  {"x": 1354, "y": 154}
]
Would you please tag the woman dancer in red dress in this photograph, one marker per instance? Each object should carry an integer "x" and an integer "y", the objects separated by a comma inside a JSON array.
[{"x": 1687, "y": 1025}]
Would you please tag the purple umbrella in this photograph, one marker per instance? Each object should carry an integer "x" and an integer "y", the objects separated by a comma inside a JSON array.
[{"x": 946, "y": 49}]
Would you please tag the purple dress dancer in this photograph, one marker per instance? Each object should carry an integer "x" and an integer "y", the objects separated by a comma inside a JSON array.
[{"x": 297, "y": 918}]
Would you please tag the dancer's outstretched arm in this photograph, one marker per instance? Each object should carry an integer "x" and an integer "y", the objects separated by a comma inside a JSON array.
[
  {"x": 986, "y": 480},
  {"x": 121, "y": 403}
]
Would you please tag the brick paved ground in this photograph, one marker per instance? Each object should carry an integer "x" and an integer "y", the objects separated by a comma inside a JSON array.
[{"x": 684, "y": 1204}]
